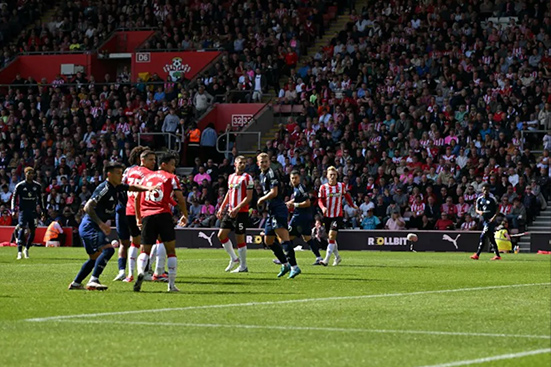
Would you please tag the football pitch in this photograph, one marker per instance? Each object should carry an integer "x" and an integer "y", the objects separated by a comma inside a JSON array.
[{"x": 375, "y": 309}]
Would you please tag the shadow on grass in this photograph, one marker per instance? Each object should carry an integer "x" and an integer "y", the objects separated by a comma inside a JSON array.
[{"x": 186, "y": 292}]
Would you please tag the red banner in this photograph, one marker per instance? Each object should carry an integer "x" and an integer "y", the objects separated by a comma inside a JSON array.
[
  {"x": 44, "y": 66},
  {"x": 7, "y": 231},
  {"x": 125, "y": 41},
  {"x": 189, "y": 63},
  {"x": 236, "y": 114}
]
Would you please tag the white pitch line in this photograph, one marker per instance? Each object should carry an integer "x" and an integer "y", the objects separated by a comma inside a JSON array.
[
  {"x": 494, "y": 358},
  {"x": 291, "y": 301},
  {"x": 306, "y": 328}
]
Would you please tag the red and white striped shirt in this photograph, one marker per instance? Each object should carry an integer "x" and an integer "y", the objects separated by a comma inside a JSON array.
[
  {"x": 237, "y": 190},
  {"x": 468, "y": 225},
  {"x": 133, "y": 175},
  {"x": 505, "y": 209},
  {"x": 470, "y": 198},
  {"x": 418, "y": 208},
  {"x": 462, "y": 209},
  {"x": 331, "y": 197}
]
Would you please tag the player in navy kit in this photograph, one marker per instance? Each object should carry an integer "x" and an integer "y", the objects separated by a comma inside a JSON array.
[
  {"x": 26, "y": 198},
  {"x": 487, "y": 208},
  {"x": 303, "y": 219},
  {"x": 94, "y": 230},
  {"x": 277, "y": 219}
]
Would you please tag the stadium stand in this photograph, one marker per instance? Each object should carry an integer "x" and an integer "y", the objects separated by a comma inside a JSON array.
[{"x": 416, "y": 104}]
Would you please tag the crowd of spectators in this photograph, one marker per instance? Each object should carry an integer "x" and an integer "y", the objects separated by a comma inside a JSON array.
[{"x": 416, "y": 104}]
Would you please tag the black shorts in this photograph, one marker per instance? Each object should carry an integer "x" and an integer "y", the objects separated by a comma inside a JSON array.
[
  {"x": 333, "y": 224},
  {"x": 158, "y": 225},
  {"x": 238, "y": 224},
  {"x": 133, "y": 226}
]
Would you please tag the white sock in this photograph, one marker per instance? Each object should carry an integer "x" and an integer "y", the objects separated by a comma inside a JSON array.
[
  {"x": 93, "y": 279},
  {"x": 336, "y": 249},
  {"x": 242, "y": 251},
  {"x": 161, "y": 259},
  {"x": 142, "y": 263},
  {"x": 132, "y": 257},
  {"x": 330, "y": 249},
  {"x": 228, "y": 246},
  {"x": 294, "y": 267},
  {"x": 153, "y": 252},
  {"x": 172, "y": 263}
]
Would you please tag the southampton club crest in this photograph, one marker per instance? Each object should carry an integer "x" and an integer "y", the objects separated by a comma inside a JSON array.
[{"x": 177, "y": 69}]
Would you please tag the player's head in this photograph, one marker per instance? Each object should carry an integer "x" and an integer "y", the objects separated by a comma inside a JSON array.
[
  {"x": 29, "y": 173},
  {"x": 147, "y": 159},
  {"x": 332, "y": 175},
  {"x": 295, "y": 178},
  {"x": 239, "y": 164},
  {"x": 263, "y": 161},
  {"x": 114, "y": 173},
  {"x": 168, "y": 163},
  {"x": 135, "y": 153},
  {"x": 486, "y": 189}
]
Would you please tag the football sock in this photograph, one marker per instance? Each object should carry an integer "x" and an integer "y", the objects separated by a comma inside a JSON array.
[
  {"x": 172, "y": 263},
  {"x": 278, "y": 252},
  {"x": 161, "y": 259},
  {"x": 85, "y": 270},
  {"x": 228, "y": 246},
  {"x": 336, "y": 250},
  {"x": 132, "y": 257},
  {"x": 289, "y": 252},
  {"x": 31, "y": 238},
  {"x": 101, "y": 261},
  {"x": 122, "y": 264},
  {"x": 494, "y": 245},
  {"x": 143, "y": 259},
  {"x": 153, "y": 253},
  {"x": 242, "y": 251},
  {"x": 20, "y": 239},
  {"x": 314, "y": 247},
  {"x": 329, "y": 252}
]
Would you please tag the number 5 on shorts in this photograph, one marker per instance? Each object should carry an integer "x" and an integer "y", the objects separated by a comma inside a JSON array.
[{"x": 241, "y": 227}]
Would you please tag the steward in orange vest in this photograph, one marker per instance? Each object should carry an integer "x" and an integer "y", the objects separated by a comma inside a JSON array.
[{"x": 54, "y": 233}]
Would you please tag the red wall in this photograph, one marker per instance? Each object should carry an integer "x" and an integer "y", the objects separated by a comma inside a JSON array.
[
  {"x": 159, "y": 62},
  {"x": 133, "y": 40},
  {"x": 223, "y": 114},
  {"x": 6, "y": 232},
  {"x": 43, "y": 66}
]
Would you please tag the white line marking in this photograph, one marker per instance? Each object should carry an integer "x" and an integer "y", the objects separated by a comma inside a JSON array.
[
  {"x": 494, "y": 358},
  {"x": 307, "y": 328},
  {"x": 204, "y": 307}
]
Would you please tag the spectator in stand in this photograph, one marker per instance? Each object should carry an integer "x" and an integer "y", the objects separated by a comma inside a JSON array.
[
  {"x": 5, "y": 195},
  {"x": 395, "y": 222},
  {"x": 369, "y": 221},
  {"x": 444, "y": 223},
  {"x": 6, "y": 218}
]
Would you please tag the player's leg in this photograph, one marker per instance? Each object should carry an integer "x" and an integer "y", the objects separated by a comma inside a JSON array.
[
  {"x": 168, "y": 237},
  {"x": 30, "y": 238},
  {"x": 161, "y": 257},
  {"x": 22, "y": 224},
  {"x": 331, "y": 227},
  {"x": 269, "y": 237},
  {"x": 93, "y": 241},
  {"x": 133, "y": 249},
  {"x": 313, "y": 247},
  {"x": 492, "y": 239},
  {"x": 288, "y": 248},
  {"x": 240, "y": 228},
  {"x": 103, "y": 246},
  {"x": 481, "y": 241},
  {"x": 124, "y": 239},
  {"x": 226, "y": 226}
]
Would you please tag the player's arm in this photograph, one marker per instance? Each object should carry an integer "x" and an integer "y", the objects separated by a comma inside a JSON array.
[
  {"x": 223, "y": 205},
  {"x": 322, "y": 200},
  {"x": 14, "y": 199},
  {"x": 350, "y": 201},
  {"x": 477, "y": 209},
  {"x": 90, "y": 209},
  {"x": 138, "y": 209},
  {"x": 182, "y": 206},
  {"x": 270, "y": 195},
  {"x": 304, "y": 204},
  {"x": 141, "y": 188}
]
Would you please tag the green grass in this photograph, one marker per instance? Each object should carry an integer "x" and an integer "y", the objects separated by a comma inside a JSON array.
[{"x": 368, "y": 331}]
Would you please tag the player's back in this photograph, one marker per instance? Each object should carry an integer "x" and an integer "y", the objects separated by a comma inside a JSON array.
[
  {"x": 300, "y": 195},
  {"x": 134, "y": 175},
  {"x": 159, "y": 201}
]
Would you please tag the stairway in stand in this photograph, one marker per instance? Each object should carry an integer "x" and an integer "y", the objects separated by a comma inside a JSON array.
[{"x": 541, "y": 224}]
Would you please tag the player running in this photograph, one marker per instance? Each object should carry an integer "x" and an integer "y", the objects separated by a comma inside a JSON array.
[
  {"x": 26, "y": 198},
  {"x": 486, "y": 207},
  {"x": 154, "y": 213},
  {"x": 238, "y": 197},
  {"x": 330, "y": 200},
  {"x": 277, "y": 219},
  {"x": 302, "y": 220},
  {"x": 94, "y": 230},
  {"x": 128, "y": 231}
]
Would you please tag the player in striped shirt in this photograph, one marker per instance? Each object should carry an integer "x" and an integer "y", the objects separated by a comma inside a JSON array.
[
  {"x": 237, "y": 199},
  {"x": 330, "y": 200}
]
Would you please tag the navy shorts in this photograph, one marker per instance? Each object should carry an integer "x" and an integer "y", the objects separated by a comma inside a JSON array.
[
  {"x": 93, "y": 239},
  {"x": 273, "y": 223},
  {"x": 122, "y": 226},
  {"x": 27, "y": 219},
  {"x": 300, "y": 226}
]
